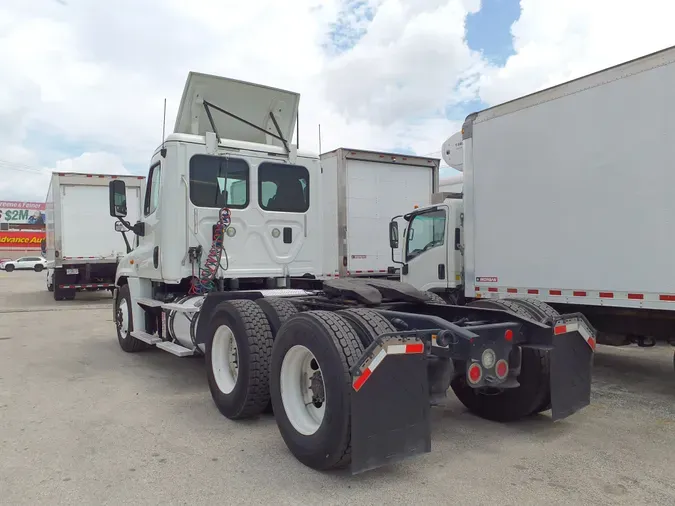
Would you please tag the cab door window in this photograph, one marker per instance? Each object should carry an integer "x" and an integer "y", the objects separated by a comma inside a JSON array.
[
  {"x": 426, "y": 231},
  {"x": 152, "y": 190}
]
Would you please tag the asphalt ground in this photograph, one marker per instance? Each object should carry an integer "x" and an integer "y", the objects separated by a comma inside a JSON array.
[{"x": 82, "y": 422}]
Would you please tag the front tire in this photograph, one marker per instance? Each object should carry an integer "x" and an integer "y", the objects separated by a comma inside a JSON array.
[
  {"x": 238, "y": 359},
  {"x": 434, "y": 298},
  {"x": 508, "y": 404},
  {"x": 124, "y": 322},
  {"x": 323, "y": 344},
  {"x": 38, "y": 268}
]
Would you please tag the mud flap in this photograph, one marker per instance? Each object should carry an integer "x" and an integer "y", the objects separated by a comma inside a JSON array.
[
  {"x": 571, "y": 362},
  {"x": 390, "y": 404}
]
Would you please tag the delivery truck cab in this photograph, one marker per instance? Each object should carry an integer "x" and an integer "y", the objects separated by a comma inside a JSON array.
[{"x": 433, "y": 245}]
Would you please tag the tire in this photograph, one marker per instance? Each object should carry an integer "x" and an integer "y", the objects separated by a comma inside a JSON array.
[
  {"x": 9, "y": 268},
  {"x": 367, "y": 324},
  {"x": 543, "y": 313},
  {"x": 244, "y": 392},
  {"x": 513, "y": 403},
  {"x": 127, "y": 342},
  {"x": 277, "y": 311},
  {"x": 324, "y": 443},
  {"x": 38, "y": 268},
  {"x": 434, "y": 298}
]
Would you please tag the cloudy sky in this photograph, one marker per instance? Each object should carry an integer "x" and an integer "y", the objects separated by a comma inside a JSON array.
[{"x": 82, "y": 82}]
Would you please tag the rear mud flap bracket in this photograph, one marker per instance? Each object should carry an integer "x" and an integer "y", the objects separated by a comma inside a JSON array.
[{"x": 390, "y": 403}]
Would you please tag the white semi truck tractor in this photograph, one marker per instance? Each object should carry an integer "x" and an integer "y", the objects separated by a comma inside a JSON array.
[
  {"x": 566, "y": 205},
  {"x": 229, "y": 263}
]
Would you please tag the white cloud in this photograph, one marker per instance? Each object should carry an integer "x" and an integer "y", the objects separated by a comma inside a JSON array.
[
  {"x": 26, "y": 183},
  {"x": 95, "y": 74},
  {"x": 556, "y": 41}
]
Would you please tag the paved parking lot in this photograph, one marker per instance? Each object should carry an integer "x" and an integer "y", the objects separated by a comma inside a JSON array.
[{"x": 82, "y": 422}]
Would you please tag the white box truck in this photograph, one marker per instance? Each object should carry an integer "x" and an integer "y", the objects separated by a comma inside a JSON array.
[
  {"x": 82, "y": 245},
  {"x": 567, "y": 201},
  {"x": 229, "y": 261},
  {"x": 362, "y": 190}
]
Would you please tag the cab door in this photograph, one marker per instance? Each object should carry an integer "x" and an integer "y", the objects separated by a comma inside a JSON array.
[
  {"x": 147, "y": 255},
  {"x": 425, "y": 254}
]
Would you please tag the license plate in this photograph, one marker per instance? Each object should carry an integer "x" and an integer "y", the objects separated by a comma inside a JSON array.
[{"x": 72, "y": 271}]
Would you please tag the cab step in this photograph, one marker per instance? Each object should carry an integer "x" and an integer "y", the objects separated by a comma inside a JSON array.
[
  {"x": 175, "y": 349},
  {"x": 145, "y": 337},
  {"x": 143, "y": 301}
]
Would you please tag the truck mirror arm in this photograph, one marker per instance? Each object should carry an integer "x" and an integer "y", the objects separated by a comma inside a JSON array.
[
  {"x": 126, "y": 242},
  {"x": 138, "y": 228}
]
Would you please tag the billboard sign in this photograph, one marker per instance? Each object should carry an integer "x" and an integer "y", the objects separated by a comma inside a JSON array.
[
  {"x": 22, "y": 213},
  {"x": 27, "y": 240}
]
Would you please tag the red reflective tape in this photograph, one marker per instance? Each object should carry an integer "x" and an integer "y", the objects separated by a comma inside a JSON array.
[
  {"x": 414, "y": 348},
  {"x": 533, "y": 291},
  {"x": 560, "y": 329},
  {"x": 512, "y": 290},
  {"x": 606, "y": 295},
  {"x": 579, "y": 294},
  {"x": 90, "y": 175},
  {"x": 667, "y": 298},
  {"x": 492, "y": 289},
  {"x": 555, "y": 292},
  {"x": 477, "y": 289},
  {"x": 591, "y": 342},
  {"x": 636, "y": 296},
  {"x": 362, "y": 379}
]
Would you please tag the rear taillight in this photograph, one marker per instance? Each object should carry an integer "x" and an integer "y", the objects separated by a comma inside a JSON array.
[
  {"x": 475, "y": 373},
  {"x": 502, "y": 369}
]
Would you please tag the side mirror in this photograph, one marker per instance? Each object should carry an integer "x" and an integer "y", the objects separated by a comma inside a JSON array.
[
  {"x": 118, "y": 198},
  {"x": 119, "y": 227},
  {"x": 393, "y": 234}
]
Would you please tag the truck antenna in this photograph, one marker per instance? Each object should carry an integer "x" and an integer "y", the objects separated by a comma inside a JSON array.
[{"x": 163, "y": 150}]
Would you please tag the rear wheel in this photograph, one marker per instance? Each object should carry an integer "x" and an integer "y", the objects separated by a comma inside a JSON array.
[
  {"x": 367, "y": 324},
  {"x": 9, "y": 268},
  {"x": 543, "y": 313},
  {"x": 504, "y": 405},
  {"x": 277, "y": 311},
  {"x": 311, "y": 387},
  {"x": 238, "y": 359}
]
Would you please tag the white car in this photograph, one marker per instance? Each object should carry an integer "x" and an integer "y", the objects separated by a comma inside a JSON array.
[{"x": 36, "y": 264}]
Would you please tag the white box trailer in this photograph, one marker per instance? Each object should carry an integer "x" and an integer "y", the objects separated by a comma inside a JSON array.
[
  {"x": 82, "y": 245},
  {"x": 568, "y": 199},
  {"x": 362, "y": 190}
]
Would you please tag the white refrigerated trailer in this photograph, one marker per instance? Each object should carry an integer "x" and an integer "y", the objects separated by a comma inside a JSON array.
[
  {"x": 82, "y": 245},
  {"x": 567, "y": 200},
  {"x": 362, "y": 190}
]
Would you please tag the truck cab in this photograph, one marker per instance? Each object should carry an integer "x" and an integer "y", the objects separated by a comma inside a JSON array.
[
  {"x": 228, "y": 168},
  {"x": 432, "y": 253}
]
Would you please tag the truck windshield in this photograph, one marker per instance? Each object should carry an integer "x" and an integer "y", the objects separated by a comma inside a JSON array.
[{"x": 426, "y": 231}]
